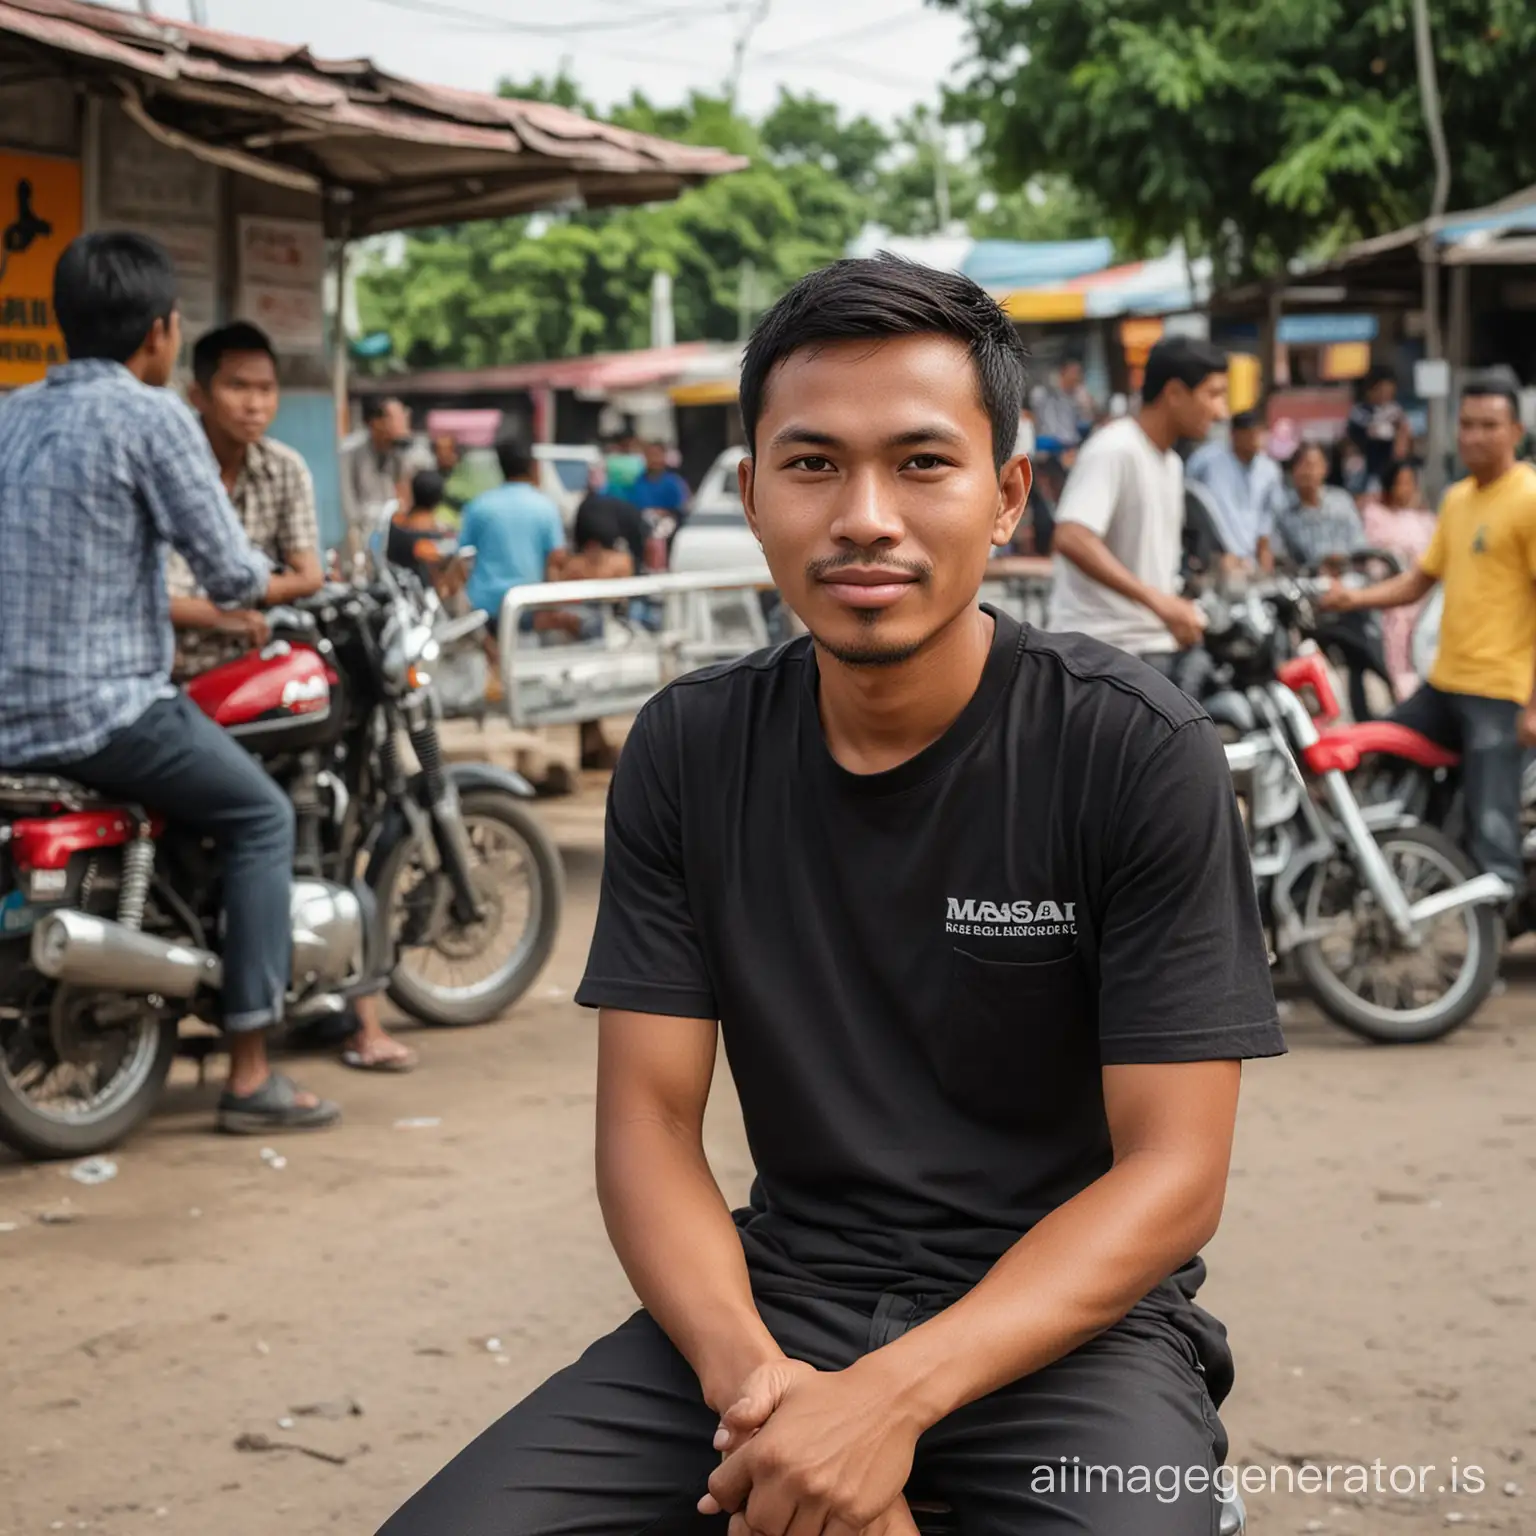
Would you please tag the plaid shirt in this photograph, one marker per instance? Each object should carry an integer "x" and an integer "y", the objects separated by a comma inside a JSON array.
[
  {"x": 1309, "y": 535},
  {"x": 98, "y": 473},
  {"x": 274, "y": 498}
]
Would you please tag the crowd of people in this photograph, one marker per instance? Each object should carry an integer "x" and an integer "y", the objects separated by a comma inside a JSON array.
[{"x": 1134, "y": 520}]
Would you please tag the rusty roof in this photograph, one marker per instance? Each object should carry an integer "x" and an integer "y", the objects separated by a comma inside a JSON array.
[{"x": 391, "y": 153}]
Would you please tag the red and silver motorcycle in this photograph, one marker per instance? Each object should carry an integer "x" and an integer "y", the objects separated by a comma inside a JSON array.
[
  {"x": 1386, "y": 921},
  {"x": 109, "y": 917}
]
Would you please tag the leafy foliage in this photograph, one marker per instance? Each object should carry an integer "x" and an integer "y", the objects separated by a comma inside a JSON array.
[
  {"x": 1253, "y": 131},
  {"x": 554, "y": 286}
]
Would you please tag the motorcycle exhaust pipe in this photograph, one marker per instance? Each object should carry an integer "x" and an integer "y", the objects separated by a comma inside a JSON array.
[{"x": 85, "y": 951}]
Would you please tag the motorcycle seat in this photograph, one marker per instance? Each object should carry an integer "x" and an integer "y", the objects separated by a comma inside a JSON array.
[
  {"x": 1343, "y": 747},
  {"x": 19, "y": 787}
]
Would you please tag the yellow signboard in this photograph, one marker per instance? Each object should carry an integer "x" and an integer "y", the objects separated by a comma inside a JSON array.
[{"x": 39, "y": 216}]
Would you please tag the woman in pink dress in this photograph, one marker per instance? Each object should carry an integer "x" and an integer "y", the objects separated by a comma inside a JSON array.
[{"x": 1398, "y": 521}]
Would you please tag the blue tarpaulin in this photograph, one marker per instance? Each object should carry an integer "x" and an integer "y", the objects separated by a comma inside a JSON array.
[{"x": 1029, "y": 263}]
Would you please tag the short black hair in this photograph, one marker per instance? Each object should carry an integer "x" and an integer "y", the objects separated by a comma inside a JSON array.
[
  {"x": 214, "y": 346},
  {"x": 375, "y": 407},
  {"x": 426, "y": 490},
  {"x": 597, "y": 522},
  {"x": 882, "y": 297},
  {"x": 1184, "y": 358},
  {"x": 513, "y": 456},
  {"x": 1245, "y": 421},
  {"x": 109, "y": 288},
  {"x": 1394, "y": 469},
  {"x": 1484, "y": 385},
  {"x": 1379, "y": 373},
  {"x": 1311, "y": 445}
]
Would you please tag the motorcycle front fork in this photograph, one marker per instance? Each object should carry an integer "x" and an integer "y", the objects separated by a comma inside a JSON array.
[{"x": 1369, "y": 859}]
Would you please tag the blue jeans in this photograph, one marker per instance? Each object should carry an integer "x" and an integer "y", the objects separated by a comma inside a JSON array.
[
  {"x": 1486, "y": 734},
  {"x": 173, "y": 759}
]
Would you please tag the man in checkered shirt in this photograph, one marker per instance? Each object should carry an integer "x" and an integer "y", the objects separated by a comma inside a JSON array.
[
  {"x": 101, "y": 470},
  {"x": 235, "y": 392}
]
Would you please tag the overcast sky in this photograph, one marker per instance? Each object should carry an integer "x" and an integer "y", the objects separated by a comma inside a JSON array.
[{"x": 872, "y": 56}]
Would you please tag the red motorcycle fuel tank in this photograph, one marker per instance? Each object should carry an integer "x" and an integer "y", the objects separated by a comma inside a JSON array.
[{"x": 277, "y": 700}]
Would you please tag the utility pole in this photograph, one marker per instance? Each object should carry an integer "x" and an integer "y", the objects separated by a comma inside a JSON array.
[
  {"x": 1429, "y": 246},
  {"x": 199, "y": 12},
  {"x": 757, "y": 14},
  {"x": 940, "y": 176}
]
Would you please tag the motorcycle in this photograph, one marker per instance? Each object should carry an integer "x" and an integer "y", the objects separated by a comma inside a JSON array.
[
  {"x": 109, "y": 916},
  {"x": 1387, "y": 922}
]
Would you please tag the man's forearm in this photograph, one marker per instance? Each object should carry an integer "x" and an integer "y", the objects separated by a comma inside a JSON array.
[
  {"x": 1396, "y": 592},
  {"x": 673, "y": 1233},
  {"x": 1091, "y": 555},
  {"x": 1076, "y": 1273},
  {"x": 302, "y": 580},
  {"x": 196, "y": 613}
]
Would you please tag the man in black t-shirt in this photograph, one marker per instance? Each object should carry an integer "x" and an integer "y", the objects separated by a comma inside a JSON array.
[{"x": 971, "y": 908}]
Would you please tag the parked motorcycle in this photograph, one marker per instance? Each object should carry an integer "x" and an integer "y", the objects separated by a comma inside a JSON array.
[
  {"x": 109, "y": 916},
  {"x": 1388, "y": 923}
]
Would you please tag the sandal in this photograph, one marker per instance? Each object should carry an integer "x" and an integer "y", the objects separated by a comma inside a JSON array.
[
  {"x": 274, "y": 1107},
  {"x": 406, "y": 1061}
]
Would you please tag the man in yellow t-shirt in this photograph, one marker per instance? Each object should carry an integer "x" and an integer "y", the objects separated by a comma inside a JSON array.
[{"x": 1479, "y": 700}]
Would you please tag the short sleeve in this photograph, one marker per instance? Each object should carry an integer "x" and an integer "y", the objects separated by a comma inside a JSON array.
[
  {"x": 1432, "y": 561},
  {"x": 645, "y": 954},
  {"x": 1092, "y": 491},
  {"x": 1182, "y": 960},
  {"x": 179, "y": 580}
]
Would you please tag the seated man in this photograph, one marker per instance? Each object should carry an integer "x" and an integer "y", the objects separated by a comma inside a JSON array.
[
  {"x": 101, "y": 469},
  {"x": 234, "y": 391},
  {"x": 971, "y": 906}
]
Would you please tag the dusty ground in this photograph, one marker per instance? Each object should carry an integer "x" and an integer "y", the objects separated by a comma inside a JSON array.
[{"x": 1375, "y": 1268}]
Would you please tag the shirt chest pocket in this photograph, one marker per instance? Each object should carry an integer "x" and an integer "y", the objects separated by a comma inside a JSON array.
[{"x": 1019, "y": 1043}]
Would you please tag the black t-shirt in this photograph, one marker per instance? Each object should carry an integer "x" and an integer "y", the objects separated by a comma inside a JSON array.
[{"x": 920, "y": 973}]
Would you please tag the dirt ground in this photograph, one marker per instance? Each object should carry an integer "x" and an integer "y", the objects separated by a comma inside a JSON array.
[{"x": 1375, "y": 1268}]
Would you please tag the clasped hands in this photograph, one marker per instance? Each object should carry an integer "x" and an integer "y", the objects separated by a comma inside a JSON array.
[{"x": 814, "y": 1453}]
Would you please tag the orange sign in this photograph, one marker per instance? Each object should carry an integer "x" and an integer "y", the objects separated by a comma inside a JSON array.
[{"x": 39, "y": 216}]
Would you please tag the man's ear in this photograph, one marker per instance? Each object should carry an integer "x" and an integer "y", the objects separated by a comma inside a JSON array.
[
  {"x": 1013, "y": 483},
  {"x": 746, "y": 483}
]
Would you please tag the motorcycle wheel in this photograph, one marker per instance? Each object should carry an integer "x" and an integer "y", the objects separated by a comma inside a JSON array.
[
  {"x": 417, "y": 904},
  {"x": 46, "y": 1056},
  {"x": 1401, "y": 1007}
]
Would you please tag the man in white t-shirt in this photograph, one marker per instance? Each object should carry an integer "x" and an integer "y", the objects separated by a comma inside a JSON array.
[{"x": 1120, "y": 521}]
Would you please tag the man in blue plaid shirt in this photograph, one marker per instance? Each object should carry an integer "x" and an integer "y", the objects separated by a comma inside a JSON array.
[{"x": 101, "y": 470}]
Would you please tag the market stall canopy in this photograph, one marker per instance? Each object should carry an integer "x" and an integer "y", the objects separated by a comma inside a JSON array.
[
  {"x": 1166, "y": 284},
  {"x": 1386, "y": 272},
  {"x": 387, "y": 152}
]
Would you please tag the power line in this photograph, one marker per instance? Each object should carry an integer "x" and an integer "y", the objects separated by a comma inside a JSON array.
[
  {"x": 848, "y": 35},
  {"x": 485, "y": 21}
]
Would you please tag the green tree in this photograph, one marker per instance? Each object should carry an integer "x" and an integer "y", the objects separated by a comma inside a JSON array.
[{"x": 1252, "y": 131}]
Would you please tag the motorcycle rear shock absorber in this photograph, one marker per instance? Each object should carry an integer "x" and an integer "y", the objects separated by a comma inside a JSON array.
[{"x": 138, "y": 871}]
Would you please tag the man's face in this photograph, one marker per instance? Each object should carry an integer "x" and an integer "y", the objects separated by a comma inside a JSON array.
[
  {"x": 1382, "y": 391},
  {"x": 241, "y": 398},
  {"x": 873, "y": 491},
  {"x": 446, "y": 451},
  {"x": 1309, "y": 471},
  {"x": 1195, "y": 411},
  {"x": 1488, "y": 433},
  {"x": 1071, "y": 376},
  {"x": 655, "y": 458},
  {"x": 392, "y": 427},
  {"x": 1246, "y": 442}
]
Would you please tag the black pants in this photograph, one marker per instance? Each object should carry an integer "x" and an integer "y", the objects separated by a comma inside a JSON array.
[
  {"x": 173, "y": 759},
  {"x": 1486, "y": 734},
  {"x": 619, "y": 1443}
]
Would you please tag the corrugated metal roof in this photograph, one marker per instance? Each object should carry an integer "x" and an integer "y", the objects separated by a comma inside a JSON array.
[{"x": 407, "y": 153}]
